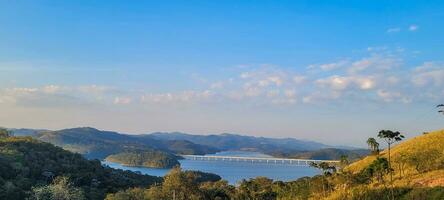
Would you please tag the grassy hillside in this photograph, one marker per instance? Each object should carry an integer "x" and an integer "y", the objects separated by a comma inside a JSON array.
[
  {"x": 26, "y": 163},
  {"x": 427, "y": 149},
  {"x": 418, "y": 172}
]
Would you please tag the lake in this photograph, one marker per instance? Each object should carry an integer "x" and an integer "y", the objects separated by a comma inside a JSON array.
[{"x": 233, "y": 172}]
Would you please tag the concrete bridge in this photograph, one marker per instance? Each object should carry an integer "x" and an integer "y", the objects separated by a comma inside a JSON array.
[{"x": 271, "y": 160}]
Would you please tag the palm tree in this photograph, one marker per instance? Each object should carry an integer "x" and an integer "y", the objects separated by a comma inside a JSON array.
[
  {"x": 373, "y": 145},
  {"x": 390, "y": 137}
]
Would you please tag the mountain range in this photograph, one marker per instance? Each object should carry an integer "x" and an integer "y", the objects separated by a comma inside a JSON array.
[{"x": 98, "y": 144}]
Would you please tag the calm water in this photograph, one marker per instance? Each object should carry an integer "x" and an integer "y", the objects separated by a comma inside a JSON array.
[{"x": 233, "y": 171}]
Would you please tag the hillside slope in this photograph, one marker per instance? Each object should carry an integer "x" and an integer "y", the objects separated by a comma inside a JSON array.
[
  {"x": 418, "y": 172},
  {"x": 427, "y": 148},
  {"x": 26, "y": 162}
]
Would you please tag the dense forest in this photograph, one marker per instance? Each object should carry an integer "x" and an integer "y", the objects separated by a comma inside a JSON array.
[
  {"x": 153, "y": 159},
  {"x": 27, "y": 166}
]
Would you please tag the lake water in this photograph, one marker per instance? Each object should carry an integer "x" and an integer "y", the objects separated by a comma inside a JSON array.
[{"x": 233, "y": 172}]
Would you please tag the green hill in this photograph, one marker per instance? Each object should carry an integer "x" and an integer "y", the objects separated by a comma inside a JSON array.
[
  {"x": 97, "y": 144},
  {"x": 153, "y": 159},
  {"x": 26, "y": 163}
]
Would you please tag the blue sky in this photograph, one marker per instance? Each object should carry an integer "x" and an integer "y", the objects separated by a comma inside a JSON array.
[{"x": 332, "y": 71}]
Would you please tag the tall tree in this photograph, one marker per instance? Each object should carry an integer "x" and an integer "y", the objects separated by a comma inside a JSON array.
[
  {"x": 390, "y": 138},
  {"x": 373, "y": 145}
]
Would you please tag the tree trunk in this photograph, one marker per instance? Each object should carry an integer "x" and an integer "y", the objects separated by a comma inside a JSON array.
[{"x": 390, "y": 165}]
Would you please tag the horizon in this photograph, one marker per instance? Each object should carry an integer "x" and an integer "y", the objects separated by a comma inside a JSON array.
[{"x": 334, "y": 73}]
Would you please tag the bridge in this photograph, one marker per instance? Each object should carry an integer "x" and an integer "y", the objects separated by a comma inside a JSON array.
[{"x": 271, "y": 160}]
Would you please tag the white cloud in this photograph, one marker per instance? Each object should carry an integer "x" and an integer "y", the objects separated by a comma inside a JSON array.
[
  {"x": 413, "y": 27},
  {"x": 334, "y": 82},
  {"x": 298, "y": 79},
  {"x": 122, "y": 100},
  {"x": 332, "y": 66},
  {"x": 392, "y": 96},
  {"x": 429, "y": 74},
  {"x": 217, "y": 85},
  {"x": 179, "y": 97},
  {"x": 393, "y": 30},
  {"x": 51, "y": 89},
  {"x": 376, "y": 62},
  {"x": 276, "y": 80}
]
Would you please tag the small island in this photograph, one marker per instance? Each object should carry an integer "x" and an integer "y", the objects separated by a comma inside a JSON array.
[{"x": 152, "y": 159}]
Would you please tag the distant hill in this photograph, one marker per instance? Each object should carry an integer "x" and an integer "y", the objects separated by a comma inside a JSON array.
[
  {"x": 286, "y": 147},
  {"x": 325, "y": 154},
  {"x": 94, "y": 143},
  {"x": 26, "y": 131},
  {"x": 238, "y": 142},
  {"x": 26, "y": 163}
]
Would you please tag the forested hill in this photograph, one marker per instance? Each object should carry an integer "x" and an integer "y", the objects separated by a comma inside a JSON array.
[
  {"x": 286, "y": 147},
  {"x": 97, "y": 144},
  {"x": 26, "y": 163},
  {"x": 94, "y": 143}
]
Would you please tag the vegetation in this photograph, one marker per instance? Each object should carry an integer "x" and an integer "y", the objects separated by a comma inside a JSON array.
[
  {"x": 96, "y": 144},
  {"x": 322, "y": 154},
  {"x": 373, "y": 145},
  {"x": 153, "y": 159},
  {"x": 28, "y": 165},
  {"x": 390, "y": 137},
  {"x": 30, "y": 169},
  {"x": 60, "y": 189},
  {"x": 365, "y": 179}
]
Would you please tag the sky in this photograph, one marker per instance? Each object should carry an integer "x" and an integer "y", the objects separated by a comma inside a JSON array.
[{"x": 330, "y": 71}]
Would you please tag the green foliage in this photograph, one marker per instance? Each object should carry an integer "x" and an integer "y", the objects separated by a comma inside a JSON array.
[
  {"x": 373, "y": 145},
  {"x": 378, "y": 169},
  {"x": 27, "y": 163},
  {"x": 60, "y": 189},
  {"x": 4, "y": 133},
  {"x": 130, "y": 194},
  {"x": 148, "y": 158},
  {"x": 390, "y": 136},
  {"x": 321, "y": 154},
  {"x": 258, "y": 188},
  {"x": 326, "y": 168}
]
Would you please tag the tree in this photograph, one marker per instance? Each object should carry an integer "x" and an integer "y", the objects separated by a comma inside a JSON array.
[
  {"x": 373, "y": 145},
  {"x": 343, "y": 162},
  {"x": 4, "y": 133},
  {"x": 60, "y": 189},
  {"x": 378, "y": 168},
  {"x": 390, "y": 138}
]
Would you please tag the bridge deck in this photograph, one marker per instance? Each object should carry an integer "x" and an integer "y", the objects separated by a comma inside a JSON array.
[{"x": 303, "y": 162}]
